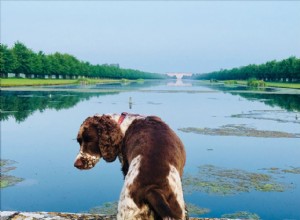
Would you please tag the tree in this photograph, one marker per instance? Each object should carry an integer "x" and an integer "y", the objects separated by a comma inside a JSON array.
[
  {"x": 23, "y": 57},
  {"x": 272, "y": 70},
  {"x": 20, "y": 59},
  {"x": 7, "y": 59}
]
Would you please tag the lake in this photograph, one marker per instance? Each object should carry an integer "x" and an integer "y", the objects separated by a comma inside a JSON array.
[{"x": 242, "y": 145}]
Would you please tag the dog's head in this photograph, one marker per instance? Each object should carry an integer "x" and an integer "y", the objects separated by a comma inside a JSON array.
[{"x": 98, "y": 136}]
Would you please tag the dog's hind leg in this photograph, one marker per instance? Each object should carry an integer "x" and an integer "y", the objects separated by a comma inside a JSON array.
[{"x": 165, "y": 209}]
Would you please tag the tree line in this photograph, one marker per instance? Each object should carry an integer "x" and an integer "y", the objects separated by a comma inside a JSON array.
[
  {"x": 21, "y": 60},
  {"x": 285, "y": 70}
]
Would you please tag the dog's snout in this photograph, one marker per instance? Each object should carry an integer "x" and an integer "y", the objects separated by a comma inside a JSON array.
[{"x": 78, "y": 163}]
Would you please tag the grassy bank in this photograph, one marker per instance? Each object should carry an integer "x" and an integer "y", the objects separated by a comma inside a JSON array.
[
  {"x": 284, "y": 85},
  {"x": 10, "y": 82},
  {"x": 275, "y": 84}
]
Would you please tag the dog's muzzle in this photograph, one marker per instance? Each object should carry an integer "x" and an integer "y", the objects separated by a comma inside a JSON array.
[{"x": 85, "y": 161}]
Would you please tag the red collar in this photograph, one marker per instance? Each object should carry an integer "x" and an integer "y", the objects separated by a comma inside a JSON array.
[{"x": 122, "y": 117}]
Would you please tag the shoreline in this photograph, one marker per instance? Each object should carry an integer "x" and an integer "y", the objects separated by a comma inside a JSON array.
[
  {"x": 19, "y": 82},
  {"x": 7, "y": 215}
]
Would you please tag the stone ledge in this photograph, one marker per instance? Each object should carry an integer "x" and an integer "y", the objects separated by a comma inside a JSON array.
[{"x": 11, "y": 215}]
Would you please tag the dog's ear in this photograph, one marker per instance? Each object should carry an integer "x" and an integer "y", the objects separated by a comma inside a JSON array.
[{"x": 110, "y": 137}]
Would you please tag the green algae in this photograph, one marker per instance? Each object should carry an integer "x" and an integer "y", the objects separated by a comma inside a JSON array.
[
  {"x": 276, "y": 170},
  {"x": 221, "y": 181},
  {"x": 281, "y": 116},
  {"x": 111, "y": 208},
  {"x": 107, "y": 208},
  {"x": 8, "y": 180},
  {"x": 196, "y": 210},
  {"x": 292, "y": 170},
  {"x": 239, "y": 130},
  {"x": 241, "y": 215}
]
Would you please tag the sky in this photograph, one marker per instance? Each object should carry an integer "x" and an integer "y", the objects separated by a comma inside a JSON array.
[{"x": 157, "y": 36}]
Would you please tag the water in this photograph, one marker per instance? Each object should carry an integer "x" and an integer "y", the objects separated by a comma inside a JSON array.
[{"x": 39, "y": 127}]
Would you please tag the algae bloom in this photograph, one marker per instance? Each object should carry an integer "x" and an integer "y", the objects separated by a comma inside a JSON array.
[
  {"x": 7, "y": 180},
  {"x": 216, "y": 180},
  {"x": 241, "y": 215}
]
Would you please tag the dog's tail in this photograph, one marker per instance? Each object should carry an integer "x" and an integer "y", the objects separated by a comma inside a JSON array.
[{"x": 165, "y": 208}]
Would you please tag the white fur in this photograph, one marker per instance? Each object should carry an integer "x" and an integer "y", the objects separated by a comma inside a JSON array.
[
  {"x": 127, "y": 120},
  {"x": 127, "y": 209},
  {"x": 175, "y": 184},
  {"x": 91, "y": 160}
]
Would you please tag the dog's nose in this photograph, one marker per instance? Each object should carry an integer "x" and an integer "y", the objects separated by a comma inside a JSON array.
[{"x": 78, "y": 163}]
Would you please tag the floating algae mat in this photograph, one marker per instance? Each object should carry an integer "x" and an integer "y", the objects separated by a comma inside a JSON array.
[
  {"x": 221, "y": 181},
  {"x": 239, "y": 130},
  {"x": 107, "y": 208},
  {"x": 281, "y": 116},
  {"x": 276, "y": 170},
  {"x": 7, "y": 180},
  {"x": 111, "y": 208},
  {"x": 241, "y": 215},
  {"x": 196, "y": 210}
]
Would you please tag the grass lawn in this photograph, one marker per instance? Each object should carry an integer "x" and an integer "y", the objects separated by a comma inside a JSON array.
[
  {"x": 9, "y": 82},
  {"x": 283, "y": 85},
  {"x": 275, "y": 84}
]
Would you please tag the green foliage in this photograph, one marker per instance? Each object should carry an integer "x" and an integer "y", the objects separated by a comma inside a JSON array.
[
  {"x": 231, "y": 82},
  {"x": 20, "y": 59},
  {"x": 256, "y": 83},
  {"x": 8, "y": 60},
  {"x": 284, "y": 70}
]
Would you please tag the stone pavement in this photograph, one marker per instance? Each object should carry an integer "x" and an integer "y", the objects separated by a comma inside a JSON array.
[{"x": 11, "y": 215}]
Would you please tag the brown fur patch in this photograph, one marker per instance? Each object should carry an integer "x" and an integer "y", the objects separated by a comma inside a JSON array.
[{"x": 159, "y": 147}]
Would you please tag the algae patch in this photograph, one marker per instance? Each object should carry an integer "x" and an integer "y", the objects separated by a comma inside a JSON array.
[
  {"x": 7, "y": 180},
  {"x": 111, "y": 208},
  {"x": 280, "y": 116},
  {"x": 241, "y": 215},
  {"x": 221, "y": 181},
  {"x": 196, "y": 210},
  {"x": 276, "y": 170},
  {"x": 239, "y": 130},
  {"x": 107, "y": 208}
]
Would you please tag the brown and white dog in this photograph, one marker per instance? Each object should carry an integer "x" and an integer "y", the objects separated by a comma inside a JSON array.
[{"x": 152, "y": 158}]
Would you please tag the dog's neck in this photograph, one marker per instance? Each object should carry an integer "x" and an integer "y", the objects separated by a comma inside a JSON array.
[{"x": 126, "y": 121}]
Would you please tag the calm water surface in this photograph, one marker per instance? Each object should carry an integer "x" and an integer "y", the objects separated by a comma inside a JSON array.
[{"x": 39, "y": 127}]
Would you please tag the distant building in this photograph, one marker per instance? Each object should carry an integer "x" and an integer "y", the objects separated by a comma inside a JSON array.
[{"x": 179, "y": 75}]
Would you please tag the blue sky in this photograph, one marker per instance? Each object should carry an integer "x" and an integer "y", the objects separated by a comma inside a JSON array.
[{"x": 157, "y": 36}]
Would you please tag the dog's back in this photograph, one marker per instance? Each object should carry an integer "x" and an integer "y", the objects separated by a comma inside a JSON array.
[{"x": 154, "y": 158}]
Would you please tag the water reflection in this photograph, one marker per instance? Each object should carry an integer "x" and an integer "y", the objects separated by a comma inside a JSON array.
[
  {"x": 21, "y": 104},
  {"x": 284, "y": 101},
  {"x": 178, "y": 82},
  {"x": 270, "y": 96}
]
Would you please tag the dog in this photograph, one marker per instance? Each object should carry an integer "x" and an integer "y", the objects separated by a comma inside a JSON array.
[{"x": 152, "y": 158}]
